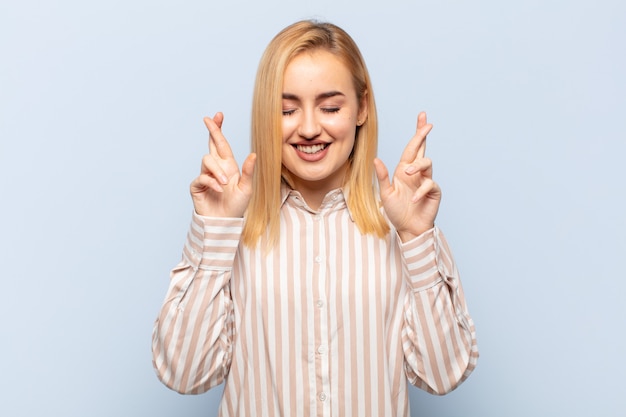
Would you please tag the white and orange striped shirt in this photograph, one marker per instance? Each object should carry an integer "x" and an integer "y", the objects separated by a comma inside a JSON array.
[{"x": 328, "y": 323}]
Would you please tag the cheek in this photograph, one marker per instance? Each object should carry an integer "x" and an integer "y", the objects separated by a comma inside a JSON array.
[
  {"x": 341, "y": 128},
  {"x": 288, "y": 127}
]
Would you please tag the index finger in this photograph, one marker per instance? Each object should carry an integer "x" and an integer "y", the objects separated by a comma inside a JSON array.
[
  {"x": 416, "y": 147},
  {"x": 218, "y": 145}
]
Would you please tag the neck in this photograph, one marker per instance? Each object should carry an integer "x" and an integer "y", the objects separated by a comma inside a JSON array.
[{"x": 313, "y": 192}]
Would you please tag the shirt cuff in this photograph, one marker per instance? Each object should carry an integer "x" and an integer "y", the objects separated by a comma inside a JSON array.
[
  {"x": 212, "y": 241},
  {"x": 420, "y": 257}
]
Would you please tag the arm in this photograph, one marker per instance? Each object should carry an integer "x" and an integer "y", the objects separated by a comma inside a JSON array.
[
  {"x": 192, "y": 337},
  {"x": 438, "y": 336}
]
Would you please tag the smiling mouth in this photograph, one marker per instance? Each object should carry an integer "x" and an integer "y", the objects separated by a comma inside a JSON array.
[{"x": 311, "y": 149}]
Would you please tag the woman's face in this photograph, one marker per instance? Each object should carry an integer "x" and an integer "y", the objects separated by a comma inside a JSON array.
[{"x": 320, "y": 115}]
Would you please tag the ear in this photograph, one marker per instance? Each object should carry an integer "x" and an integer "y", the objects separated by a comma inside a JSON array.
[{"x": 362, "y": 114}]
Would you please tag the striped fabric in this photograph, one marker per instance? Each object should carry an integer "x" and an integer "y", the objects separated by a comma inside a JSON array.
[{"x": 328, "y": 323}]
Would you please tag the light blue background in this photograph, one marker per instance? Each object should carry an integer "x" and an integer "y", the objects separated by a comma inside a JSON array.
[{"x": 101, "y": 106}]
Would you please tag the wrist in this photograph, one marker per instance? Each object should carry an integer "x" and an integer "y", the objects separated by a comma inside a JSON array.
[{"x": 408, "y": 235}]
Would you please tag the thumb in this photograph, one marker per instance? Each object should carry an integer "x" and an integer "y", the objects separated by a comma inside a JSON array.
[
  {"x": 247, "y": 169},
  {"x": 383, "y": 176}
]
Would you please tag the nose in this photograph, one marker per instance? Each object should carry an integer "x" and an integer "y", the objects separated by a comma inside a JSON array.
[{"x": 309, "y": 127}]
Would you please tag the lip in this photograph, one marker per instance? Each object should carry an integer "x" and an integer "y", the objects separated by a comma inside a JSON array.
[{"x": 311, "y": 157}]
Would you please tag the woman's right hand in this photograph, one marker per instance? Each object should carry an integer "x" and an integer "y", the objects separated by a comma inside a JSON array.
[{"x": 221, "y": 190}]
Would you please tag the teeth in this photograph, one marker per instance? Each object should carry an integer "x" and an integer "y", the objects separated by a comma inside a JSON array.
[{"x": 310, "y": 149}]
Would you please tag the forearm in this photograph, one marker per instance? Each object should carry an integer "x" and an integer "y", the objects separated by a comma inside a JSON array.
[
  {"x": 193, "y": 332},
  {"x": 439, "y": 335}
]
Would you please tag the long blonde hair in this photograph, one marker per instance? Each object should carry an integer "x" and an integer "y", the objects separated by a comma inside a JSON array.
[{"x": 266, "y": 132}]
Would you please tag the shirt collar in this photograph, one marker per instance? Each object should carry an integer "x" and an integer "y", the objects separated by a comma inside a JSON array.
[{"x": 335, "y": 199}]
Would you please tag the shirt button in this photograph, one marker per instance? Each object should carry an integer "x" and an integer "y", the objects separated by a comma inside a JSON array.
[
  {"x": 319, "y": 303},
  {"x": 322, "y": 396},
  {"x": 321, "y": 349},
  {"x": 318, "y": 259},
  {"x": 317, "y": 217}
]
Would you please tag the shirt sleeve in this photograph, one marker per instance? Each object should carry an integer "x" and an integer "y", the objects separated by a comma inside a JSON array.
[
  {"x": 193, "y": 333},
  {"x": 439, "y": 338}
]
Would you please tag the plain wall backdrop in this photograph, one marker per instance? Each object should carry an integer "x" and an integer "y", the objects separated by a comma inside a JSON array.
[{"x": 101, "y": 106}]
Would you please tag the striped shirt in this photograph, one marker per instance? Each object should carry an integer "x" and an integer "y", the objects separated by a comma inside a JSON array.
[{"x": 328, "y": 323}]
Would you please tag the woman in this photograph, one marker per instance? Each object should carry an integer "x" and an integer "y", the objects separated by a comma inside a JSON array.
[{"x": 295, "y": 288}]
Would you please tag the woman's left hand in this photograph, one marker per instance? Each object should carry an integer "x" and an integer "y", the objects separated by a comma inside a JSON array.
[{"x": 411, "y": 202}]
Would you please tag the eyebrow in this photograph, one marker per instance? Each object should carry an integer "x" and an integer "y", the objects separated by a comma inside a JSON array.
[{"x": 329, "y": 94}]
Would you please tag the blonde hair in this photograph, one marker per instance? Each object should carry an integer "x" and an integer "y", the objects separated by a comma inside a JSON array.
[{"x": 262, "y": 216}]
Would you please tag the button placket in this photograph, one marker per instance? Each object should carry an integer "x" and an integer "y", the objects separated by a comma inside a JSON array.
[{"x": 320, "y": 347}]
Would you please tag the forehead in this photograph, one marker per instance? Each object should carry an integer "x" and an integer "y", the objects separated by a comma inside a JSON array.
[{"x": 317, "y": 69}]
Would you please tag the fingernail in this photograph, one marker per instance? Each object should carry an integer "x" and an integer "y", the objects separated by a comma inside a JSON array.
[
  {"x": 410, "y": 169},
  {"x": 223, "y": 179}
]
